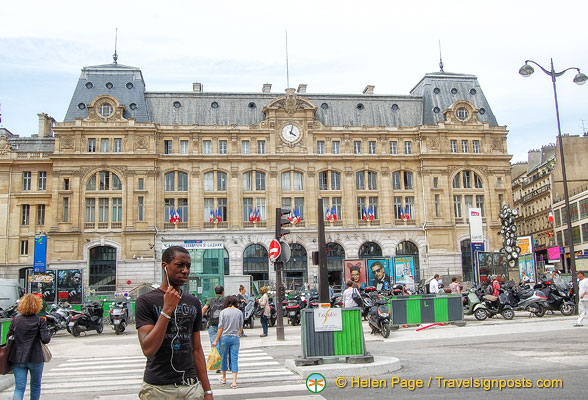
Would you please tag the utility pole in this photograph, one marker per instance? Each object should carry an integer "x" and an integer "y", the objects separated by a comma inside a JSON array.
[
  {"x": 279, "y": 267},
  {"x": 322, "y": 258}
]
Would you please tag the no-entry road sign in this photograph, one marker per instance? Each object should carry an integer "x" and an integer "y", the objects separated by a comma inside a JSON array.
[{"x": 274, "y": 250}]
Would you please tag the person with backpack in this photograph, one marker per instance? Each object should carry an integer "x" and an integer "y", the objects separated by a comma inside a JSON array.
[
  {"x": 212, "y": 310},
  {"x": 347, "y": 298}
]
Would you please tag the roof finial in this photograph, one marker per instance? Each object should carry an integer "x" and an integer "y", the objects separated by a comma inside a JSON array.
[
  {"x": 115, "y": 56},
  {"x": 440, "y": 57}
]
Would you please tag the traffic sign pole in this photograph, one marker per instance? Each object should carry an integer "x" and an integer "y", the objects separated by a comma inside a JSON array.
[{"x": 278, "y": 267}]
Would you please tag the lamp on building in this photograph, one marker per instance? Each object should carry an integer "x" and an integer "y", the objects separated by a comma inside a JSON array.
[{"x": 580, "y": 79}]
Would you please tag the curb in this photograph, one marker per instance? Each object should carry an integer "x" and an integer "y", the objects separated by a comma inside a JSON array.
[
  {"x": 380, "y": 366},
  {"x": 6, "y": 381}
]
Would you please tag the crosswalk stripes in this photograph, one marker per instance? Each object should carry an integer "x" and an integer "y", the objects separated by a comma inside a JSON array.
[{"x": 121, "y": 377}]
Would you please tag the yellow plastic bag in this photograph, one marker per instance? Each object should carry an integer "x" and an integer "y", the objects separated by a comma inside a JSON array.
[{"x": 214, "y": 360}]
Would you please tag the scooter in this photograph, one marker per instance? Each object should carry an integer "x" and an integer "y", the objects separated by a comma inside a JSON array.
[
  {"x": 88, "y": 320},
  {"x": 119, "y": 315},
  {"x": 61, "y": 313},
  {"x": 249, "y": 313},
  {"x": 530, "y": 300},
  {"x": 470, "y": 300},
  {"x": 559, "y": 298},
  {"x": 379, "y": 318}
]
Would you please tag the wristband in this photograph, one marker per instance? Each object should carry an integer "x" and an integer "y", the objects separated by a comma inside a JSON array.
[
  {"x": 208, "y": 392},
  {"x": 164, "y": 315}
]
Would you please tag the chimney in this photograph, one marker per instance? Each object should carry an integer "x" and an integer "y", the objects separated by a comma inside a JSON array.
[
  {"x": 302, "y": 88},
  {"x": 267, "y": 87},
  {"x": 45, "y": 125},
  {"x": 197, "y": 87},
  {"x": 369, "y": 90}
]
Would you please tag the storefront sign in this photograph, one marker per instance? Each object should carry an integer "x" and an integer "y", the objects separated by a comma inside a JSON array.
[
  {"x": 41, "y": 278},
  {"x": 195, "y": 244},
  {"x": 327, "y": 320}
]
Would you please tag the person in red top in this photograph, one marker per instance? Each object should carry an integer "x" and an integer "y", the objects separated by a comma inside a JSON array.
[{"x": 496, "y": 286}]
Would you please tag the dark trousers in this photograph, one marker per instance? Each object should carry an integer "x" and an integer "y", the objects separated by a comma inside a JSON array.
[{"x": 264, "y": 324}]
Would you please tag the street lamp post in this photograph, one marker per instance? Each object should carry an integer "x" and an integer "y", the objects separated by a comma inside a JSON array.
[{"x": 580, "y": 78}]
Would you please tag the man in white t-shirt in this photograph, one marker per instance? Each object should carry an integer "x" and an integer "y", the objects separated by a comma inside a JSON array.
[
  {"x": 434, "y": 285},
  {"x": 582, "y": 289}
]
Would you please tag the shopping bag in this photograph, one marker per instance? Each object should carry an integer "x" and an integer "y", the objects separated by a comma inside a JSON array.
[
  {"x": 47, "y": 356},
  {"x": 5, "y": 366},
  {"x": 214, "y": 360}
]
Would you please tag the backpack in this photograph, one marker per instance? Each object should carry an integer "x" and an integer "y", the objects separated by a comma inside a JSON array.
[{"x": 214, "y": 311}]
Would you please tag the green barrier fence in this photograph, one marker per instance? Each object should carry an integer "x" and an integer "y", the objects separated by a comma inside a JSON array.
[
  {"x": 347, "y": 342},
  {"x": 422, "y": 309},
  {"x": 4, "y": 326}
]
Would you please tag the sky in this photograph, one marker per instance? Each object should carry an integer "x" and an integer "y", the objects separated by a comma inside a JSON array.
[{"x": 333, "y": 46}]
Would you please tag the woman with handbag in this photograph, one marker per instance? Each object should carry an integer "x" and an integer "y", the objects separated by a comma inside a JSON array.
[
  {"x": 30, "y": 333},
  {"x": 264, "y": 304}
]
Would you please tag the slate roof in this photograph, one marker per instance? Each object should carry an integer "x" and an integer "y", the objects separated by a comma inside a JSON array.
[{"x": 208, "y": 108}]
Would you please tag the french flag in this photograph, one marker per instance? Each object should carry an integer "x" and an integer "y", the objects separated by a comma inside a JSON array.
[
  {"x": 211, "y": 217},
  {"x": 363, "y": 213},
  {"x": 257, "y": 215},
  {"x": 296, "y": 216},
  {"x": 401, "y": 214},
  {"x": 371, "y": 213},
  {"x": 328, "y": 214},
  {"x": 334, "y": 213},
  {"x": 172, "y": 216},
  {"x": 550, "y": 218},
  {"x": 177, "y": 216},
  {"x": 219, "y": 215},
  {"x": 407, "y": 212},
  {"x": 252, "y": 215}
]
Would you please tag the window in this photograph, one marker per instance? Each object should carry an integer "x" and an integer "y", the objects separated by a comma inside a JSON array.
[
  {"x": 292, "y": 180},
  {"x": 26, "y": 180},
  {"x": 104, "y": 145},
  {"x": 298, "y": 205},
  {"x": 468, "y": 199},
  {"x": 462, "y": 114},
  {"x": 437, "y": 206},
  {"x": 24, "y": 214},
  {"x": 170, "y": 181},
  {"x": 247, "y": 208},
  {"x": 457, "y": 206},
  {"x": 394, "y": 147},
  {"x": 398, "y": 212},
  {"x": 105, "y": 109},
  {"x": 500, "y": 200},
  {"x": 480, "y": 203},
  {"x": 407, "y": 147},
  {"x": 140, "y": 207},
  {"x": 357, "y": 147},
  {"x": 360, "y": 180},
  {"x": 476, "y": 146},
  {"x": 453, "y": 146},
  {"x": 117, "y": 145},
  {"x": 335, "y": 181},
  {"x": 336, "y": 147},
  {"x": 372, "y": 147},
  {"x": 183, "y": 147},
  {"x": 499, "y": 182},
  {"x": 435, "y": 182},
  {"x": 90, "y": 210},
  {"x": 141, "y": 183},
  {"x": 407, "y": 180},
  {"x": 206, "y": 147},
  {"x": 323, "y": 181},
  {"x": 409, "y": 205},
  {"x": 245, "y": 147},
  {"x": 65, "y": 183},
  {"x": 396, "y": 180},
  {"x": 42, "y": 181},
  {"x": 464, "y": 146},
  {"x": 247, "y": 184},
  {"x": 65, "y": 215},
  {"x": 24, "y": 247},
  {"x": 320, "y": 147},
  {"x": 167, "y": 147},
  {"x": 221, "y": 181},
  {"x": 117, "y": 209},
  {"x": 360, "y": 207},
  {"x": 91, "y": 145},
  {"x": 41, "y": 214},
  {"x": 285, "y": 181},
  {"x": 182, "y": 182},
  {"x": 372, "y": 180},
  {"x": 259, "y": 180},
  {"x": 261, "y": 147},
  {"x": 467, "y": 179},
  {"x": 222, "y": 146},
  {"x": 103, "y": 210},
  {"x": 183, "y": 209},
  {"x": 584, "y": 209}
]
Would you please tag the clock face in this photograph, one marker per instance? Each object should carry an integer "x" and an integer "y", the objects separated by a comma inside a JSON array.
[{"x": 290, "y": 133}]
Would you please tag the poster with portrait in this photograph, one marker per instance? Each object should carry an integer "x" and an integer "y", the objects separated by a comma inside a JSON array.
[
  {"x": 404, "y": 271},
  {"x": 379, "y": 273},
  {"x": 69, "y": 286},
  {"x": 355, "y": 272}
]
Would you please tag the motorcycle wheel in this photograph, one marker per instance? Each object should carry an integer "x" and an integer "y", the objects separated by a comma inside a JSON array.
[
  {"x": 100, "y": 329},
  {"x": 75, "y": 331},
  {"x": 480, "y": 314},
  {"x": 117, "y": 330},
  {"x": 386, "y": 330},
  {"x": 540, "y": 310},
  {"x": 508, "y": 314},
  {"x": 567, "y": 309}
]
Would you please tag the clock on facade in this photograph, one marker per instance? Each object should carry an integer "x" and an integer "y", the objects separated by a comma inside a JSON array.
[{"x": 290, "y": 133}]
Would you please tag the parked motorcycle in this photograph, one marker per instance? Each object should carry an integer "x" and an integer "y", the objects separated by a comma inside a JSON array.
[
  {"x": 10, "y": 312},
  {"x": 379, "y": 318},
  {"x": 250, "y": 307},
  {"x": 119, "y": 316},
  {"x": 61, "y": 315},
  {"x": 294, "y": 307},
  {"x": 88, "y": 320},
  {"x": 559, "y": 298},
  {"x": 493, "y": 305},
  {"x": 530, "y": 300}
]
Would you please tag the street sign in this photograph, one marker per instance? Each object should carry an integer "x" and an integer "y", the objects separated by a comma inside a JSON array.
[
  {"x": 274, "y": 250},
  {"x": 286, "y": 252}
]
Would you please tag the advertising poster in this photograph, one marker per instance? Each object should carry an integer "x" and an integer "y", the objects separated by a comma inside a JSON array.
[
  {"x": 69, "y": 284},
  {"x": 404, "y": 271},
  {"x": 40, "y": 259},
  {"x": 355, "y": 272},
  {"x": 379, "y": 274},
  {"x": 328, "y": 320},
  {"x": 527, "y": 267},
  {"x": 526, "y": 244},
  {"x": 553, "y": 253}
]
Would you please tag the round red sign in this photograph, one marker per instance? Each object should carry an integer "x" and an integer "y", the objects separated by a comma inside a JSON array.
[{"x": 274, "y": 250}]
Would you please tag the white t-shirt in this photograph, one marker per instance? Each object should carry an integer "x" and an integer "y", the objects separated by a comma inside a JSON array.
[
  {"x": 433, "y": 286},
  {"x": 347, "y": 298},
  {"x": 583, "y": 288}
]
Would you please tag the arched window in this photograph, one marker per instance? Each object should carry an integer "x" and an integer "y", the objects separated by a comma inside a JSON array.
[
  {"x": 219, "y": 184},
  {"x": 172, "y": 177},
  {"x": 175, "y": 181},
  {"x": 468, "y": 193},
  {"x": 104, "y": 204},
  {"x": 407, "y": 248},
  {"x": 402, "y": 180},
  {"x": 253, "y": 181},
  {"x": 370, "y": 177},
  {"x": 102, "y": 277},
  {"x": 370, "y": 249},
  {"x": 292, "y": 181},
  {"x": 333, "y": 176},
  {"x": 256, "y": 264},
  {"x": 296, "y": 270}
]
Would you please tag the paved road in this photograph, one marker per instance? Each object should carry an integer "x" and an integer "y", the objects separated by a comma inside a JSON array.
[{"x": 110, "y": 367}]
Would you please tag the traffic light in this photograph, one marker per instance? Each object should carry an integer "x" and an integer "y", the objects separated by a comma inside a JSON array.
[
  {"x": 281, "y": 292},
  {"x": 315, "y": 258},
  {"x": 281, "y": 222}
]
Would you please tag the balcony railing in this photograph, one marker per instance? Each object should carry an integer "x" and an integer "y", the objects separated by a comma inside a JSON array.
[
  {"x": 181, "y": 225},
  {"x": 536, "y": 193},
  {"x": 212, "y": 225},
  {"x": 260, "y": 224}
]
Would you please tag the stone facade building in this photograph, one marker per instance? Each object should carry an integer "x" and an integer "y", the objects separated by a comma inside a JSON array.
[{"x": 103, "y": 183}]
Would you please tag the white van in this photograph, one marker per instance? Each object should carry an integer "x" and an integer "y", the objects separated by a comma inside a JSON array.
[{"x": 10, "y": 291}]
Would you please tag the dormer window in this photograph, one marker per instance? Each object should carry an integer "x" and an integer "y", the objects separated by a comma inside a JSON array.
[
  {"x": 462, "y": 113},
  {"x": 105, "y": 109}
]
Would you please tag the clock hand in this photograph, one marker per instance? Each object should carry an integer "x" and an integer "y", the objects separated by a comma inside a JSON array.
[{"x": 291, "y": 129}]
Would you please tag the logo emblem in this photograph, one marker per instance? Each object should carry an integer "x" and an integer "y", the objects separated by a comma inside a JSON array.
[{"x": 316, "y": 383}]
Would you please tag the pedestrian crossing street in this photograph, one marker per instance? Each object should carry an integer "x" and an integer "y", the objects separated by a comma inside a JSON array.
[{"x": 109, "y": 378}]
